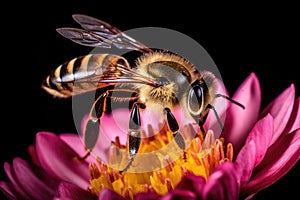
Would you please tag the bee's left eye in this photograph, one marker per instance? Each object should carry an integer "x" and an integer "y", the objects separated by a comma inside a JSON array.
[{"x": 195, "y": 98}]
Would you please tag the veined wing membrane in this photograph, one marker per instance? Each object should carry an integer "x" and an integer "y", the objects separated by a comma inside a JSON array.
[
  {"x": 84, "y": 37},
  {"x": 97, "y": 33}
]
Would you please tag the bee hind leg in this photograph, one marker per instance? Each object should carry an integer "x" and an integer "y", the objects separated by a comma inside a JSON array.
[
  {"x": 92, "y": 127},
  {"x": 174, "y": 128},
  {"x": 134, "y": 139}
]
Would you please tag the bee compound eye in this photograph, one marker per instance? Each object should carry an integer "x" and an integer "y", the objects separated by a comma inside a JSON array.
[{"x": 195, "y": 99}]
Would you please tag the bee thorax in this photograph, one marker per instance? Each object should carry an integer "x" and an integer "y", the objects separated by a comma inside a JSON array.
[{"x": 163, "y": 95}]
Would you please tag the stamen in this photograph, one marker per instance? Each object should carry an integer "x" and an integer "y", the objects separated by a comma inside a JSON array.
[
  {"x": 102, "y": 165},
  {"x": 198, "y": 145},
  {"x": 160, "y": 176},
  {"x": 168, "y": 183},
  {"x": 203, "y": 155},
  {"x": 94, "y": 171},
  {"x": 196, "y": 158},
  {"x": 209, "y": 140},
  {"x": 229, "y": 152},
  {"x": 113, "y": 153},
  {"x": 168, "y": 163}
]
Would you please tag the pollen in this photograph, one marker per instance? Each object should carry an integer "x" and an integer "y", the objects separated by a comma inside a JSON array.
[{"x": 160, "y": 164}]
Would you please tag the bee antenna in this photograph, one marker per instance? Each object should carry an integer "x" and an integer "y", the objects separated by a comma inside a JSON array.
[
  {"x": 231, "y": 100},
  {"x": 217, "y": 116}
]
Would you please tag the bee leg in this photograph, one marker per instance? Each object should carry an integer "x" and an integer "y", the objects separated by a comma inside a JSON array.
[
  {"x": 174, "y": 128},
  {"x": 201, "y": 121},
  {"x": 134, "y": 134},
  {"x": 92, "y": 128},
  {"x": 91, "y": 135}
]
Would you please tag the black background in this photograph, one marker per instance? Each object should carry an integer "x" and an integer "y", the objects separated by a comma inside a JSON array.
[{"x": 240, "y": 39}]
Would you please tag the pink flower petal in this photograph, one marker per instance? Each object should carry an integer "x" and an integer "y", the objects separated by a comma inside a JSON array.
[
  {"x": 255, "y": 147},
  {"x": 76, "y": 143},
  {"x": 147, "y": 196},
  {"x": 70, "y": 191},
  {"x": 246, "y": 161},
  {"x": 294, "y": 121},
  {"x": 179, "y": 195},
  {"x": 58, "y": 159},
  {"x": 9, "y": 192},
  {"x": 110, "y": 194},
  {"x": 278, "y": 160},
  {"x": 14, "y": 181},
  {"x": 239, "y": 122},
  {"x": 108, "y": 132},
  {"x": 192, "y": 183},
  {"x": 261, "y": 134},
  {"x": 222, "y": 183},
  {"x": 34, "y": 180},
  {"x": 116, "y": 125},
  {"x": 33, "y": 155},
  {"x": 281, "y": 108}
]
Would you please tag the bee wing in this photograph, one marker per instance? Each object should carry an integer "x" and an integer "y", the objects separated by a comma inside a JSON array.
[
  {"x": 84, "y": 37},
  {"x": 97, "y": 33},
  {"x": 116, "y": 74}
]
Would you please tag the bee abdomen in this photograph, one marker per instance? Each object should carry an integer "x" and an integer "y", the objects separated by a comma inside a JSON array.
[{"x": 74, "y": 77}]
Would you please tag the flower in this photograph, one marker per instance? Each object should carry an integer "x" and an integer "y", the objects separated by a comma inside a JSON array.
[{"x": 257, "y": 148}]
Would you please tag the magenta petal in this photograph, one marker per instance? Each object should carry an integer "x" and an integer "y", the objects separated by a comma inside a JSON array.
[
  {"x": 192, "y": 183},
  {"x": 278, "y": 160},
  {"x": 281, "y": 108},
  {"x": 70, "y": 191},
  {"x": 223, "y": 183},
  {"x": 147, "y": 196},
  {"x": 255, "y": 147},
  {"x": 34, "y": 180},
  {"x": 116, "y": 124},
  {"x": 239, "y": 122},
  {"x": 9, "y": 192},
  {"x": 261, "y": 134},
  {"x": 14, "y": 181},
  {"x": 110, "y": 194},
  {"x": 179, "y": 195},
  {"x": 33, "y": 155},
  {"x": 58, "y": 159},
  {"x": 76, "y": 143},
  {"x": 294, "y": 121},
  {"x": 246, "y": 161}
]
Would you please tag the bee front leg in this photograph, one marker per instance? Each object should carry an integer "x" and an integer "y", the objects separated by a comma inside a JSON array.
[
  {"x": 92, "y": 128},
  {"x": 134, "y": 134},
  {"x": 174, "y": 128}
]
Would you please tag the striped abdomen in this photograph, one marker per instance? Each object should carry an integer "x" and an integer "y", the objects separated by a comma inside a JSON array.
[{"x": 80, "y": 74}]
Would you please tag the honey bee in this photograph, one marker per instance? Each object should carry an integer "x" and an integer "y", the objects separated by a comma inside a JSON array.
[{"x": 158, "y": 77}]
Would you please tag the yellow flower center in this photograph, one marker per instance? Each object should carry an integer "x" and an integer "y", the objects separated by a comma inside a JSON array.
[{"x": 159, "y": 165}]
